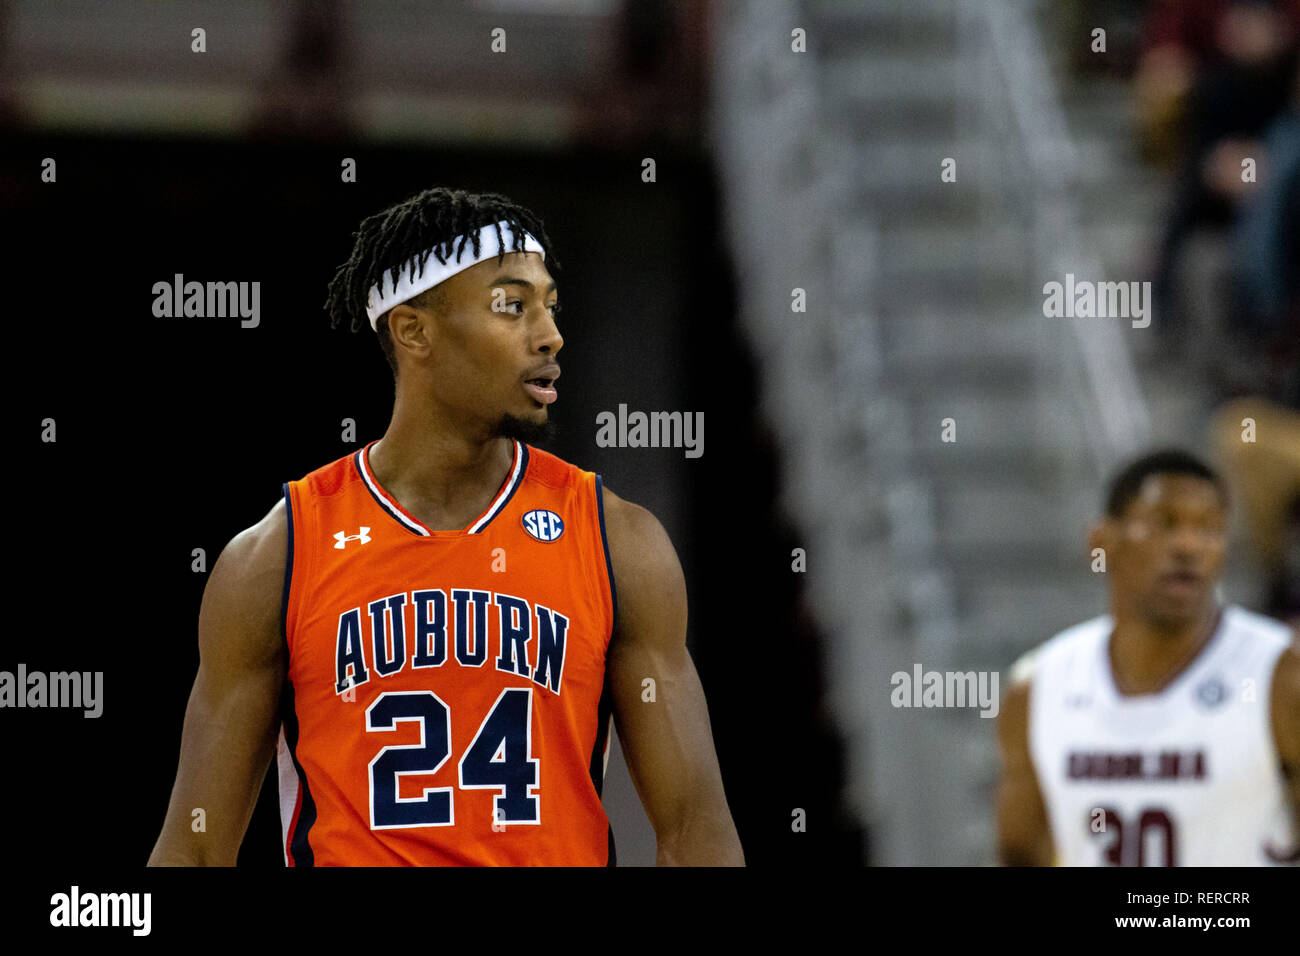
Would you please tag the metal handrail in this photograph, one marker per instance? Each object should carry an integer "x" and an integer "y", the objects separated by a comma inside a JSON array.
[{"x": 1114, "y": 411}]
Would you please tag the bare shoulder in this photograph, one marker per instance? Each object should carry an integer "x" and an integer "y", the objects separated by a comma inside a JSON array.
[
  {"x": 245, "y": 593},
  {"x": 647, "y": 573},
  {"x": 1013, "y": 718},
  {"x": 258, "y": 553},
  {"x": 1288, "y": 663},
  {"x": 1285, "y": 708},
  {"x": 1286, "y": 681},
  {"x": 638, "y": 543}
]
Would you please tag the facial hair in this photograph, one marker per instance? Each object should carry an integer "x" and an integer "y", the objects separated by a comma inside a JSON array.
[{"x": 521, "y": 429}]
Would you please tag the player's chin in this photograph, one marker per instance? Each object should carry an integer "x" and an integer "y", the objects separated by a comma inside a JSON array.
[
  {"x": 529, "y": 425},
  {"x": 1182, "y": 607},
  {"x": 523, "y": 408}
]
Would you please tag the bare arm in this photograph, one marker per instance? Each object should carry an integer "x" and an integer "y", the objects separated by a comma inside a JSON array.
[
  {"x": 1286, "y": 732},
  {"x": 1024, "y": 835},
  {"x": 667, "y": 741},
  {"x": 232, "y": 719}
]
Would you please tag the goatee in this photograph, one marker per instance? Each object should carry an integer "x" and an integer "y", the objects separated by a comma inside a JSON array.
[{"x": 521, "y": 429}]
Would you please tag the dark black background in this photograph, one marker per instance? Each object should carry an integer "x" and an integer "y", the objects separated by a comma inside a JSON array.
[{"x": 174, "y": 434}]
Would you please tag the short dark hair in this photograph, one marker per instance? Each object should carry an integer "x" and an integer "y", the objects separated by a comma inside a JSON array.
[
  {"x": 402, "y": 235},
  {"x": 1124, "y": 487}
]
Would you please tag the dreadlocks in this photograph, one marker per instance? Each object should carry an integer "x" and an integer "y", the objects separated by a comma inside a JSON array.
[{"x": 402, "y": 235}]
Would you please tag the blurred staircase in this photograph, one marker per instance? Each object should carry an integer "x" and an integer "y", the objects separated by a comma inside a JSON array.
[{"x": 952, "y": 555}]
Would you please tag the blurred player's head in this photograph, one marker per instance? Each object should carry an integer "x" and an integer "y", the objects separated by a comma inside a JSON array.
[
  {"x": 1164, "y": 536},
  {"x": 471, "y": 343}
]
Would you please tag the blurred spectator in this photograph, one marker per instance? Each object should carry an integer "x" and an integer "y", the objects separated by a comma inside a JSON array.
[
  {"x": 1244, "y": 84},
  {"x": 1265, "y": 475},
  {"x": 1181, "y": 41},
  {"x": 1266, "y": 251}
]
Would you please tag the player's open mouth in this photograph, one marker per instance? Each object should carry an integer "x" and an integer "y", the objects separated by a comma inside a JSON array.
[
  {"x": 1184, "y": 581},
  {"x": 542, "y": 389}
]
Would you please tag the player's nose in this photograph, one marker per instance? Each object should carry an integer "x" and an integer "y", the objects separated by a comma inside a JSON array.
[
  {"x": 1188, "y": 541},
  {"x": 549, "y": 340}
]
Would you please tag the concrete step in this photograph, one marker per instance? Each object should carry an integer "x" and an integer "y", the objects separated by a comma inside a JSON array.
[
  {"x": 1028, "y": 556},
  {"x": 973, "y": 377},
  {"x": 986, "y": 423},
  {"x": 952, "y": 253},
  {"x": 883, "y": 16},
  {"x": 1027, "y": 610},
  {"x": 969, "y": 333},
  {"x": 900, "y": 301},
  {"x": 989, "y": 463},
  {"x": 1009, "y": 515},
  {"x": 900, "y": 178},
  {"x": 1118, "y": 197},
  {"x": 861, "y": 28},
  {"x": 888, "y": 93}
]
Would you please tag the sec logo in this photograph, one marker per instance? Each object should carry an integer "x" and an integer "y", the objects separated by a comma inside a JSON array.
[{"x": 543, "y": 525}]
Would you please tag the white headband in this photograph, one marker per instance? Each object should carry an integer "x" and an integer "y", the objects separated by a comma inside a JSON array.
[{"x": 435, "y": 271}]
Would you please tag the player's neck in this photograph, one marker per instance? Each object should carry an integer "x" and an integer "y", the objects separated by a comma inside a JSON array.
[
  {"x": 1145, "y": 657},
  {"x": 437, "y": 470}
]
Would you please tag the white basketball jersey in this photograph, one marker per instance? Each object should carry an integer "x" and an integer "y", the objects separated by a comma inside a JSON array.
[{"x": 1188, "y": 776}]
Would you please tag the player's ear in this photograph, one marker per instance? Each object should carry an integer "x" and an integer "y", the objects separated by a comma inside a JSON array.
[{"x": 409, "y": 328}]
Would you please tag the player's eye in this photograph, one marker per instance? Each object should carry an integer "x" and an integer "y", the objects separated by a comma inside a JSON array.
[
  {"x": 1211, "y": 526},
  {"x": 555, "y": 310}
]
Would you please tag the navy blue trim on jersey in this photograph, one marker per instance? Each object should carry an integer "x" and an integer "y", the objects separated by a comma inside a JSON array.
[
  {"x": 397, "y": 516},
  {"x": 604, "y": 542},
  {"x": 514, "y": 478},
  {"x": 300, "y": 849},
  {"x": 518, "y": 480},
  {"x": 597, "y": 767},
  {"x": 604, "y": 708},
  {"x": 288, "y": 569}
]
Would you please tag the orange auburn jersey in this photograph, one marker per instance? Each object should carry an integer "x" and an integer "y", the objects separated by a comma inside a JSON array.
[{"x": 445, "y": 701}]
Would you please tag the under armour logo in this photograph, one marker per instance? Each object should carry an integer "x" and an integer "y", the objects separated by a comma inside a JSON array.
[{"x": 341, "y": 540}]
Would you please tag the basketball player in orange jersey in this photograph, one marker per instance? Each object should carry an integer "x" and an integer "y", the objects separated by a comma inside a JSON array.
[
  {"x": 433, "y": 632},
  {"x": 1166, "y": 732}
]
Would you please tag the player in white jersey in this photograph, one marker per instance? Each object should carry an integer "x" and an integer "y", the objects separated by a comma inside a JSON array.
[{"x": 1166, "y": 732}]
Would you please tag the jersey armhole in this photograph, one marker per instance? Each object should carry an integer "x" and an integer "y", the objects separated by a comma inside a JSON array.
[
  {"x": 609, "y": 565},
  {"x": 288, "y": 568},
  {"x": 297, "y": 526}
]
